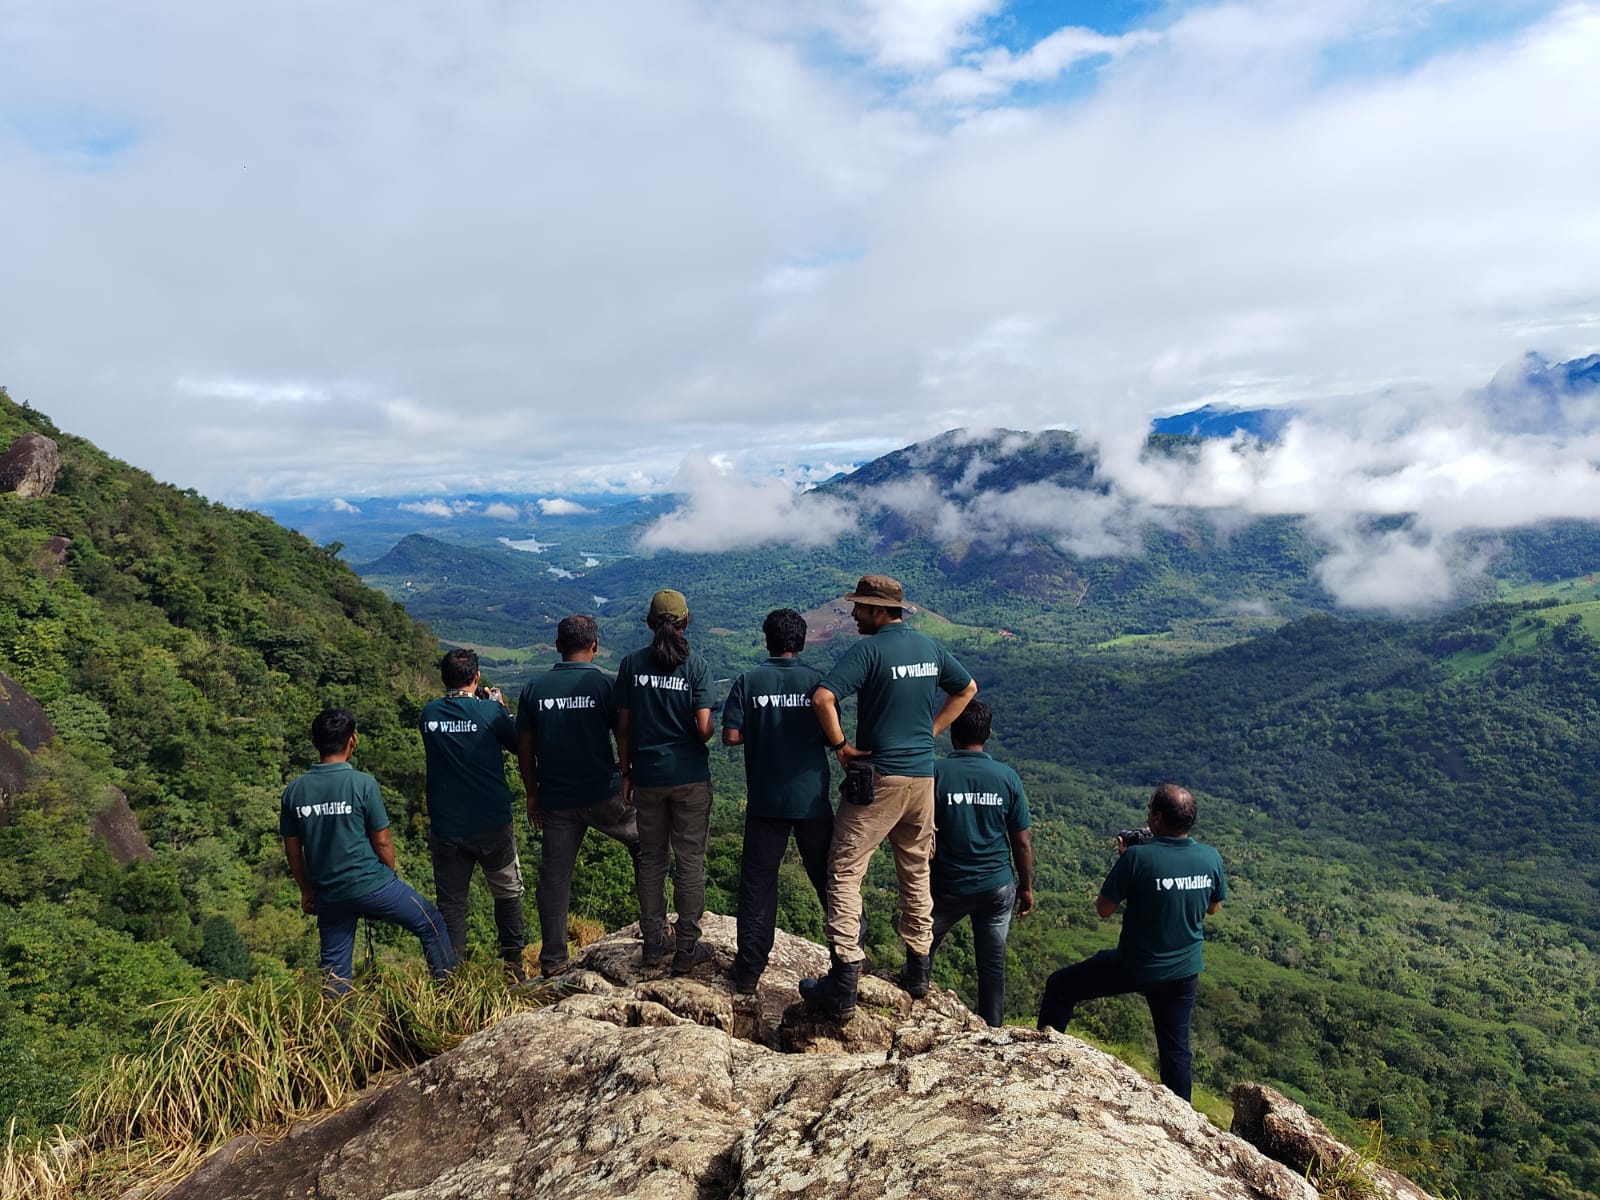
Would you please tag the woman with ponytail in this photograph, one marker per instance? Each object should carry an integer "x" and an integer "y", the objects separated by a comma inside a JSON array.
[{"x": 663, "y": 699}]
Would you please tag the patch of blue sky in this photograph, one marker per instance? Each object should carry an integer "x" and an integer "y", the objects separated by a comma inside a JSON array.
[
  {"x": 1444, "y": 28},
  {"x": 1023, "y": 23},
  {"x": 76, "y": 140}
]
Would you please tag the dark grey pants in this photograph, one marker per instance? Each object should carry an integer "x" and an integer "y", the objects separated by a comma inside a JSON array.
[
  {"x": 676, "y": 820},
  {"x": 562, "y": 839},
  {"x": 765, "y": 840},
  {"x": 453, "y": 861}
]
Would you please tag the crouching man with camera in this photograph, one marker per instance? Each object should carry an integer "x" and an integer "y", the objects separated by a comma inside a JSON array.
[
  {"x": 1170, "y": 883},
  {"x": 909, "y": 689}
]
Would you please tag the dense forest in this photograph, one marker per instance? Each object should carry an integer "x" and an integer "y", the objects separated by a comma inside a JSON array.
[{"x": 1407, "y": 810}]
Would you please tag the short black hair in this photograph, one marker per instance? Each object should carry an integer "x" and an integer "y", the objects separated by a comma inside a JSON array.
[
  {"x": 575, "y": 634},
  {"x": 973, "y": 726},
  {"x": 332, "y": 730},
  {"x": 1175, "y": 804},
  {"x": 458, "y": 667},
  {"x": 785, "y": 631}
]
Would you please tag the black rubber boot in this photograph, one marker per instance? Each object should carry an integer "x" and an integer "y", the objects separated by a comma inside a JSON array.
[
  {"x": 834, "y": 995},
  {"x": 914, "y": 977}
]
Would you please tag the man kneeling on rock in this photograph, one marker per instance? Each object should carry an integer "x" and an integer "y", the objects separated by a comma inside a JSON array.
[{"x": 1170, "y": 883}]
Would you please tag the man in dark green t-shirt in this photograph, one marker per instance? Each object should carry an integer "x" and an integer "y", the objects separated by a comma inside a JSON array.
[
  {"x": 982, "y": 816},
  {"x": 336, "y": 837},
  {"x": 1170, "y": 883},
  {"x": 908, "y": 689},
  {"x": 464, "y": 736},
  {"x": 768, "y": 712},
  {"x": 565, "y": 724}
]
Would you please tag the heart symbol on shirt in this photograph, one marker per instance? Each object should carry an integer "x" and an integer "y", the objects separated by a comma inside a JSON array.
[
  {"x": 763, "y": 700},
  {"x": 433, "y": 727},
  {"x": 1167, "y": 883},
  {"x": 550, "y": 703}
]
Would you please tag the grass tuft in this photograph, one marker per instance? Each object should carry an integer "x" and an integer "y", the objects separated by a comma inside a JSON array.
[{"x": 251, "y": 1058}]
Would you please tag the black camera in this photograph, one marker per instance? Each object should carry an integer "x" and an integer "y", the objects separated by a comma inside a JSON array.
[
  {"x": 1135, "y": 837},
  {"x": 483, "y": 693}
]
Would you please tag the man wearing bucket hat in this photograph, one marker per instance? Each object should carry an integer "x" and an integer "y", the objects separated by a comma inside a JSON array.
[{"x": 909, "y": 690}]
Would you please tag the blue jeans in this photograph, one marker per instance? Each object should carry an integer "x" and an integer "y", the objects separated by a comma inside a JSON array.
[
  {"x": 1171, "y": 1005},
  {"x": 396, "y": 902},
  {"x": 991, "y": 922}
]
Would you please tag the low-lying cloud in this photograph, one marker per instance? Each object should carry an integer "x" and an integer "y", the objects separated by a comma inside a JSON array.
[
  {"x": 720, "y": 510},
  {"x": 1402, "y": 492}
]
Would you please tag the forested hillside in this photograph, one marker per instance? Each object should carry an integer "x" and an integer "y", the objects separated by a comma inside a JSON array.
[{"x": 181, "y": 649}]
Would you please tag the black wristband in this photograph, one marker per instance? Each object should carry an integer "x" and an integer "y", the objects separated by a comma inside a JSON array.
[{"x": 842, "y": 743}]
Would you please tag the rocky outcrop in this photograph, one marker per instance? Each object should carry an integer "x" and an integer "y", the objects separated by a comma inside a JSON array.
[
  {"x": 117, "y": 827},
  {"x": 638, "y": 1085},
  {"x": 29, "y": 468},
  {"x": 24, "y": 727},
  {"x": 1281, "y": 1129}
]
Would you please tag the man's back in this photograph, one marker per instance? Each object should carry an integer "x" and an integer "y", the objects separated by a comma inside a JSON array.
[
  {"x": 786, "y": 764},
  {"x": 1168, "y": 885},
  {"x": 334, "y": 810},
  {"x": 570, "y": 713},
  {"x": 463, "y": 738},
  {"x": 978, "y": 803},
  {"x": 900, "y": 678}
]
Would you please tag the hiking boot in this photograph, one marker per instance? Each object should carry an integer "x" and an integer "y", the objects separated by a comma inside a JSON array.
[
  {"x": 655, "y": 953},
  {"x": 547, "y": 970},
  {"x": 515, "y": 974},
  {"x": 689, "y": 957},
  {"x": 914, "y": 976},
  {"x": 834, "y": 995}
]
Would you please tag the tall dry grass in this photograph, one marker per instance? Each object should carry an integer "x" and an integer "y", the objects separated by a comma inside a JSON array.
[{"x": 250, "y": 1058}]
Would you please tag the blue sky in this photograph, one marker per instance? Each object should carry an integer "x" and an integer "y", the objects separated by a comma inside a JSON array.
[{"x": 320, "y": 249}]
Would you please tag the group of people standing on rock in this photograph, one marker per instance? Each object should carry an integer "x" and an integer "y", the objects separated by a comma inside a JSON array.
[{"x": 958, "y": 826}]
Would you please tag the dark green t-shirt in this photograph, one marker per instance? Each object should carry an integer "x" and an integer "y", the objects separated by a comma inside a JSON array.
[
  {"x": 463, "y": 739},
  {"x": 900, "y": 675},
  {"x": 977, "y": 804},
  {"x": 570, "y": 713},
  {"x": 785, "y": 762},
  {"x": 664, "y": 748},
  {"x": 1168, "y": 884},
  {"x": 334, "y": 809}
]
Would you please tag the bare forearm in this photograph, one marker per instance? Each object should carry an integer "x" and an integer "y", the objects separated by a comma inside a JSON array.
[
  {"x": 826, "y": 707},
  {"x": 952, "y": 707},
  {"x": 383, "y": 847}
]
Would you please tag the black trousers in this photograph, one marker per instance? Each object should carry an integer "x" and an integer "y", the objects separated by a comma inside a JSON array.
[{"x": 765, "y": 840}]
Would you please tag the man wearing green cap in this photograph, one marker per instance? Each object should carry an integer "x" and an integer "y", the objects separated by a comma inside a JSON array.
[{"x": 909, "y": 690}]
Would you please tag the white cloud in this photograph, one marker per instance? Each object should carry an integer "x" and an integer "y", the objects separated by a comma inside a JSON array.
[
  {"x": 555, "y": 249},
  {"x": 341, "y": 505},
  {"x": 501, "y": 511},
  {"x": 555, "y": 506},
  {"x": 429, "y": 508},
  {"x": 719, "y": 510}
]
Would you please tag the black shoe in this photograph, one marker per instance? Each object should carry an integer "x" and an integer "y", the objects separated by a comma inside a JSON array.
[
  {"x": 654, "y": 954},
  {"x": 743, "y": 984},
  {"x": 689, "y": 957},
  {"x": 914, "y": 978},
  {"x": 834, "y": 995}
]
